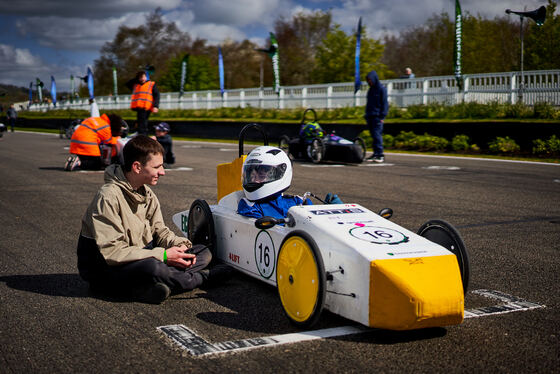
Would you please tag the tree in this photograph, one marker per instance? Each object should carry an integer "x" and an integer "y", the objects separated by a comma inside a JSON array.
[
  {"x": 541, "y": 43},
  {"x": 298, "y": 40},
  {"x": 202, "y": 74},
  {"x": 154, "y": 43},
  {"x": 334, "y": 60},
  {"x": 488, "y": 46}
]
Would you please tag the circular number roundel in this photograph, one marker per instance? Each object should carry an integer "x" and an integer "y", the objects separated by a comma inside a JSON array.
[
  {"x": 378, "y": 235},
  {"x": 265, "y": 254}
]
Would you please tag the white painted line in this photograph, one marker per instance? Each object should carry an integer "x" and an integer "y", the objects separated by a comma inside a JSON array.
[
  {"x": 191, "y": 146},
  {"x": 228, "y": 149},
  {"x": 378, "y": 165},
  {"x": 180, "y": 168},
  {"x": 322, "y": 165},
  {"x": 512, "y": 304},
  {"x": 197, "y": 346},
  {"x": 435, "y": 167},
  {"x": 474, "y": 159}
]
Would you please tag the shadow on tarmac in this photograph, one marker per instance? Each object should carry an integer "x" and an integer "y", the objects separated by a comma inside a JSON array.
[{"x": 67, "y": 285}]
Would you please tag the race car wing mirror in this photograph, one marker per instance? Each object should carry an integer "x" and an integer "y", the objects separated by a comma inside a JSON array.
[
  {"x": 268, "y": 222},
  {"x": 386, "y": 213}
]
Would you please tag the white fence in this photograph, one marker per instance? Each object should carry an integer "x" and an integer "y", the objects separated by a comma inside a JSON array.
[{"x": 538, "y": 86}]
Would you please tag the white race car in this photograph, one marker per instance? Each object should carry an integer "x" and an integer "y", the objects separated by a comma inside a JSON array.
[{"x": 343, "y": 258}]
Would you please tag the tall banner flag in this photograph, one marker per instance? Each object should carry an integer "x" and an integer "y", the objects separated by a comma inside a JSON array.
[
  {"x": 273, "y": 53},
  {"x": 90, "y": 83},
  {"x": 357, "y": 79},
  {"x": 115, "y": 91},
  {"x": 221, "y": 70},
  {"x": 30, "y": 93},
  {"x": 40, "y": 89},
  {"x": 53, "y": 90},
  {"x": 184, "y": 63},
  {"x": 72, "y": 88},
  {"x": 458, "y": 43}
]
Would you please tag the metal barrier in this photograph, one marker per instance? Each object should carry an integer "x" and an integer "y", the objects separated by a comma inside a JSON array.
[{"x": 539, "y": 86}]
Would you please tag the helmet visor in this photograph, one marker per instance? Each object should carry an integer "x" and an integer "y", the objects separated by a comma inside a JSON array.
[{"x": 255, "y": 176}]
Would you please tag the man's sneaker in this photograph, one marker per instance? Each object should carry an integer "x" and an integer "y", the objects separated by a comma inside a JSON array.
[
  {"x": 216, "y": 274},
  {"x": 152, "y": 294},
  {"x": 379, "y": 159},
  {"x": 72, "y": 163},
  {"x": 370, "y": 158}
]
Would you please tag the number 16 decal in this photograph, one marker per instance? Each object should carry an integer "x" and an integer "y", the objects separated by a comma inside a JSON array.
[
  {"x": 265, "y": 254},
  {"x": 378, "y": 235}
]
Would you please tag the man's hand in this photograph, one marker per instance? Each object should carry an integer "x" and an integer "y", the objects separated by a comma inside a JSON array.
[
  {"x": 177, "y": 256},
  {"x": 155, "y": 110}
]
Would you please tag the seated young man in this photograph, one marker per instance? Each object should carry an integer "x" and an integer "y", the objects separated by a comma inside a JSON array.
[
  {"x": 124, "y": 245},
  {"x": 267, "y": 173}
]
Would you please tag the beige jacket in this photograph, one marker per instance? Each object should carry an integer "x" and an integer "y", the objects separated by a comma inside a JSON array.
[{"x": 123, "y": 221}]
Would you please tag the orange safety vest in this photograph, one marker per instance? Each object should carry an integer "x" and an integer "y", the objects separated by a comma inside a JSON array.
[
  {"x": 142, "y": 96},
  {"x": 90, "y": 134}
]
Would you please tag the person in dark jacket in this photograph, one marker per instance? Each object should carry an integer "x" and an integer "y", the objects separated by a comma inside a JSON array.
[
  {"x": 377, "y": 107},
  {"x": 12, "y": 116},
  {"x": 163, "y": 138}
]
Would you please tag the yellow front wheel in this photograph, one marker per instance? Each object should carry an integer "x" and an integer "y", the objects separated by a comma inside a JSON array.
[{"x": 301, "y": 280}]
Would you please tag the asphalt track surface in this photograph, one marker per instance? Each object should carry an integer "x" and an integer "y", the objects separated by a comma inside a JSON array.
[{"x": 507, "y": 212}]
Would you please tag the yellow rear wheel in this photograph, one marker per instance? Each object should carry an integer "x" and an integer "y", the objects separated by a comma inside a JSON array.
[{"x": 300, "y": 276}]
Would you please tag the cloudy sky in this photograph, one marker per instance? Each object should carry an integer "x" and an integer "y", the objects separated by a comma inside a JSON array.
[{"x": 40, "y": 38}]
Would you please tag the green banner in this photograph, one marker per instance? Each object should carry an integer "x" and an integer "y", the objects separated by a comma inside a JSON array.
[{"x": 115, "y": 92}]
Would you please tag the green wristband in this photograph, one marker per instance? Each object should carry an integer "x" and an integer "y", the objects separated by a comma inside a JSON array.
[{"x": 165, "y": 256}]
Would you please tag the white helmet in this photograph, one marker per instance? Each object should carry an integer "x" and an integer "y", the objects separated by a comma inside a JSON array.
[{"x": 266, "y": 171}]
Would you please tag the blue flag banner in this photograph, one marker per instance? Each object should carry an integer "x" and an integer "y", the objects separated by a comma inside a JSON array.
[
  {"x": 221, "y": 70},
  {"x": 357, "y": 79},
  {"x": 30, "y": 93},
  {"x": 90, "y": 83},
  {"x": 53, "y": 90}
]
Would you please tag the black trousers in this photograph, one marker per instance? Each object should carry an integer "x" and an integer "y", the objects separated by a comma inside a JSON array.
[
  {"x": 123, "y": 278},
  {"x": 142, "y": 119}
]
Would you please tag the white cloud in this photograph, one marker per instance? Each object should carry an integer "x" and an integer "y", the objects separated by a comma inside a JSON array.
[
  {"x": 74, "y": 33},
  {"x": 83, "y": 9},
  {"x": 236, "y": 13}
]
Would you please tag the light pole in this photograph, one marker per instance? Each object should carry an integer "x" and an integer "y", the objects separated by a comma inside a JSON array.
[{"x": 537, "y": 15}]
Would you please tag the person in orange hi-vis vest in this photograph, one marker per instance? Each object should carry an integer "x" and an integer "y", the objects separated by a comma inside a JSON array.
[
  {"x": 93, "y": 143},
  {"x": 144, "y": 100}
]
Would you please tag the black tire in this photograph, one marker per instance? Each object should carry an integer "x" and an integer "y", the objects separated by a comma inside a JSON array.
[
  {"x": 444, "y": 234},
  {"x": 200, "y": 229},
  {"x": 361, "y": 149},
  {"x": 284, "y": 144},
  {"x": 291, "y": 279},
  {"x": 316, "y": 150}
]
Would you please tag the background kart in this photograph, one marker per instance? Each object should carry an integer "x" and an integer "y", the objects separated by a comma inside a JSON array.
[
  {"x": 323, "y": 147},
  {"x": 343, "y": 258}
]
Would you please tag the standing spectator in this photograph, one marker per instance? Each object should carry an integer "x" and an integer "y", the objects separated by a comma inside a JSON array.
[
  {"x": 408, "y": 74},
  {"x": 377, "y": 107},
  {"x": 11, "y": 114},
  {"x": 163, "y": 137},
  {"x": 144, "y": 100}
]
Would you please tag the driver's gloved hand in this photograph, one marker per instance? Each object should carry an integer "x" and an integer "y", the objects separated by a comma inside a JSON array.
[{"x": 332, "y": 199}]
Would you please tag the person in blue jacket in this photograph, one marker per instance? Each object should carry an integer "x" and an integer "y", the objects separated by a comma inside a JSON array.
[
  {"x": 267, "y": 173},
  {"x": 377, "y": 107}
]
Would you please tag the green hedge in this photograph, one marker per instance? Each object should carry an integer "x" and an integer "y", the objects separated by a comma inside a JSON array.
[
  {"x": 408, "y": 140},
  {"x": 492, "y": 110}
]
